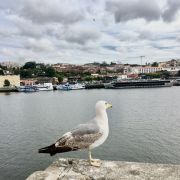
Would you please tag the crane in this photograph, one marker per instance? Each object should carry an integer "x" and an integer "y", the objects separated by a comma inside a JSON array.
[{"x": 141, "y": 59}]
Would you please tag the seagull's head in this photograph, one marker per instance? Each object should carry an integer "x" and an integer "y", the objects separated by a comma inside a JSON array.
[{"x": 102, "y": 105}]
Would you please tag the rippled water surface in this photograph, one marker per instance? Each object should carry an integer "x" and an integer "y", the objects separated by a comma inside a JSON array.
[{"x": 144, "y": 126}]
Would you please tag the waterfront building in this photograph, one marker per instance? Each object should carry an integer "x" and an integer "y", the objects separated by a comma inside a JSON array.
[
  {"x": 146, "y": 69},
  {"x": 13, "y": 79},
  {"x": 127, "y": 69},
  {"x": 171, "y": 63},
  {"x": 171, "y": 69},
  {"x": 63, "y": 67},
  {"x": 39, "y": 80},
  {"x": 28, "y": 82},
  {"x": 122, "y": 76}
]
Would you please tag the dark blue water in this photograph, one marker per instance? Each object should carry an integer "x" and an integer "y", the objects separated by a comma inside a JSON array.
[{"x": 144, "y": 126}]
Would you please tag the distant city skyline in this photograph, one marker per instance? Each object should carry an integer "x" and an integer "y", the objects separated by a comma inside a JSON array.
[{"x": 79, "y": 32}]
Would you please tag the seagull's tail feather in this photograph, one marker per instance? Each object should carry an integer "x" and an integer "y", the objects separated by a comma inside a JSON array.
[
  {"x": 52, "y": 149},
  {"x": 49, "y": 149}
]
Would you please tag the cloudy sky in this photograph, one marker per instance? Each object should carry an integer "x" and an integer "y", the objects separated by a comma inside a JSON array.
[{"x": 81, "y": 31}]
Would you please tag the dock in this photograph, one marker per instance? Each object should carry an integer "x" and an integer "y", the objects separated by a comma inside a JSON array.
[{"x": 72, "y": 169}]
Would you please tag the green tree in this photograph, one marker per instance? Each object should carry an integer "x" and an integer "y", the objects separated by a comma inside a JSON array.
[
  {"x": 16, "y": 71},
  {"x": 26, "y": 73},
  {"x": 96, "y": 63},
  {"x": 152, "y": 75},
  {"x": 165, "y": 74},
  {"x": 112, "y": 63},
  {"x": 154, "y": 64},
  {"x": 88, "y": 78},
  {"x": 50, "y": 72},
  {"x": 86, "y": 74},
  {"x": 60, "y": 79},
  {"x": 104, "y": 63},
  {"x": 3, "y": 67},
  {"x": 1, "y": 72},
  {"x": 178, "y": 73},
  {"x": 30, "y": 65},
  {"x": 6, "y": 83},
  {"x": 98, "y": 78}
]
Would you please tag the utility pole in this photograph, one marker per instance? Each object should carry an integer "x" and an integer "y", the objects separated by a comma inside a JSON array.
[{"x": 141, "y": 59}]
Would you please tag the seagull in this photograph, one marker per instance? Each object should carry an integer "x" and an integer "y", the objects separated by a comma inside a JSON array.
[{"x": 85, "y": 136}]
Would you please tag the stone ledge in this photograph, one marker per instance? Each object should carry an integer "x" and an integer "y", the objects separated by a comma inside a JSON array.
[{"x": 72, "y": 169}]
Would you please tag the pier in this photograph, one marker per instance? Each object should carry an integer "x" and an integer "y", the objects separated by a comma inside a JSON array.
[{"x": 66, "y": 169}]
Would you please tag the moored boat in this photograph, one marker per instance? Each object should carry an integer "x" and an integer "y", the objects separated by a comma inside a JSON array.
[
  {"x": 27, "y": 89},
  {"x": 68, "y": 86},
  {"x": 77, "y": 86},
  {"x": 176, "y": 82},
  {"x": 64, "y": 87},
  {"x": 138, "y": 84},
  {"x": 45, "y": 87}
]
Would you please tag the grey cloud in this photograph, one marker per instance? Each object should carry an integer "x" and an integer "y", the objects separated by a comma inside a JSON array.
[
  {"x": 81, "y": 35},
  {"x": 27, "y": 28},
  {"x": 18, "y": 54},
  {"x": 123, "y": 35},
  {"x": 173, "y": 6},
  {"x": 128, "y": 36},
  {"x": 148, "y": 35},
  {"x": 35, "y": 32},
  {"x": 178, "y": 39},
  {"x": 163, "y": 47},
  {"x": 36, "y": 28},
  {"x": 112, "y": 48},
  {"x": 133, "y": 9},
  {"x": 8, "y": 4},
  {"x": 74, "y": 33},
  {"x": 6, "y": 33},
  {"x": 46, "y": 11},
  {"x": 39, "y": 45}
]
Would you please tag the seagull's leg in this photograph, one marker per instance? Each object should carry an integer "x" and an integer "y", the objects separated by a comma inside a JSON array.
[{"x": 93, "y": 162}]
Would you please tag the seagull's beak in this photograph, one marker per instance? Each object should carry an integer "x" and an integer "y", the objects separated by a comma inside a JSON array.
[{"x": 108, "y": 105}]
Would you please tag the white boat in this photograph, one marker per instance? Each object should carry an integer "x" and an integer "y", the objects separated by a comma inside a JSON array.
[
  {"x": 77, "y": 86},
  {"x": 64, "y": 87},
  {"x": 45, "y": 87},
  {"x": 68, "y": 86},
  {"x": 27, "y": 89}
]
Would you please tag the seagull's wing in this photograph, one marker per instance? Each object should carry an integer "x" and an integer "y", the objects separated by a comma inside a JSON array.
[{"x": 81, "y": 137}]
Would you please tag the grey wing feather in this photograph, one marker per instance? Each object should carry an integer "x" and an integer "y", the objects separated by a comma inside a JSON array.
[
  {"x": 82, "y": 129},
  {"x": 81, "y": 137}
]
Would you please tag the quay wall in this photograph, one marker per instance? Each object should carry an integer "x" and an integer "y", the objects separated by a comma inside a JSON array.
[{"x": 72, "y": 169}]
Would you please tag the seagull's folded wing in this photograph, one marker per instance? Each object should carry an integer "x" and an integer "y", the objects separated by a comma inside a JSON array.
[{"x": 81, "y": 137}]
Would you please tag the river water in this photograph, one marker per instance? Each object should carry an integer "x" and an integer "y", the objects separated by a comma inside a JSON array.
[{"x": 144, "y": 126}]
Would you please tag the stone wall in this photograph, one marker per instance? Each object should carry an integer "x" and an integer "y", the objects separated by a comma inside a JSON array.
[
  {"x": 13, "y": 79},
  {"x": 75, "y": 169}
]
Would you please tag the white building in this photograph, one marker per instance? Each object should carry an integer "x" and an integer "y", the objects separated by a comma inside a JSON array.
[
  {"x": 171, "y": 69},
  {"x": 127, "y": 70},
  {"x": 146, "y": 69},
  {"x": 123, "y": 76}
]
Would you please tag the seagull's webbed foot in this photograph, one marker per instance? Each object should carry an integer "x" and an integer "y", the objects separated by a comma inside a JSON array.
[{"x": 95, "y": 162}]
